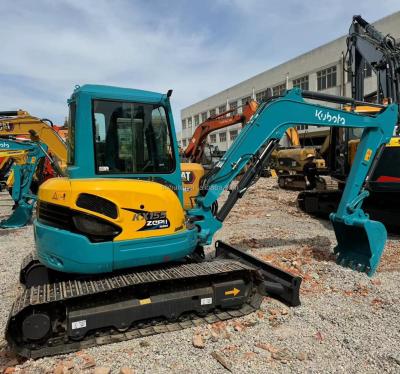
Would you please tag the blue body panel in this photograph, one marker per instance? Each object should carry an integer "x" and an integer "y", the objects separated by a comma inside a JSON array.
[{"x": 65, "y": 251}]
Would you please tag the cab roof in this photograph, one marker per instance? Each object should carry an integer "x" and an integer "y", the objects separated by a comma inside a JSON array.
[{"x": 117, "y": 93}]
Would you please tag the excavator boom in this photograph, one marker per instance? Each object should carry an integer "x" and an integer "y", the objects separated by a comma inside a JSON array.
[
  {"x": 22, "y": 124},
  {"x": 265, "y": 130}
]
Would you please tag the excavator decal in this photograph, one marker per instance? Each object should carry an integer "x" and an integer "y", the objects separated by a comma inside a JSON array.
[
  {"x": 154, "y": 220},
  {"x": 188, "y": 177}
]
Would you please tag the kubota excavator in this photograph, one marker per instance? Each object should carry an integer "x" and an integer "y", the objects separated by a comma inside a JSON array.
[
  {"x": 117, "y": 255},
  {"x": 366, "y": 47}
]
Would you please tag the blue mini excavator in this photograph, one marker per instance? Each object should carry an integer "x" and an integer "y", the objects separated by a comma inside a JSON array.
[
  {"x": 25, "y": 156},
  {"x": 117, "y": 255}
]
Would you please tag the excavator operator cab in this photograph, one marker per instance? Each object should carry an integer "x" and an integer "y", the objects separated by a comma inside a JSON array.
[{"x": 130, "y": 135}]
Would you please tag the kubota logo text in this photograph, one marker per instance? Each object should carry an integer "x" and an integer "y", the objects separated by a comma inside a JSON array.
[
  {"x": 331, "y": 118},
  {"x": 4, "y": 145}
]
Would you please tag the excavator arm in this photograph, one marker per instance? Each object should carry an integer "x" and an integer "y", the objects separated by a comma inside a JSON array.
[
  {"x": 255, "y": 144},
  {"x": 367, "y": 45},
  {"x": 27, "y": 156}
]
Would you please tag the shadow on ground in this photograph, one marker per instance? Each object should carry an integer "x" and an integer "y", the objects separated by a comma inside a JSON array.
[{"x": 317, "y": 247}]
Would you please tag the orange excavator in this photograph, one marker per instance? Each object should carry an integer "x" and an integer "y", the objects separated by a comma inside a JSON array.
[{"x": 195, "y": 150}]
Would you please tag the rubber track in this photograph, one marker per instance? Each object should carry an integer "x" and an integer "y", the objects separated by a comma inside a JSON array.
[{"x": 39, "y": 296}]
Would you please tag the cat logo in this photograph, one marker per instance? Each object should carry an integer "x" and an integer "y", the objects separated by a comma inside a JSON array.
[
  {"x": 59, "y": 196},
  {"x": 188, "y": 177}
]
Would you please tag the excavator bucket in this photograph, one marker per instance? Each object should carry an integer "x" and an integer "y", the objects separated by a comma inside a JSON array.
[
  {"x": 360, "y": 243},
  {"x": 20, "y": 217}
]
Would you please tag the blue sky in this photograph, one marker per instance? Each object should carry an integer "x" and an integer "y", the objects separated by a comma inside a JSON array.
[{"x": 197, "y": 48}]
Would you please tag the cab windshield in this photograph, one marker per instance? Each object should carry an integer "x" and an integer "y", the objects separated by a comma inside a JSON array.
[{"x": 131, "y": 138}]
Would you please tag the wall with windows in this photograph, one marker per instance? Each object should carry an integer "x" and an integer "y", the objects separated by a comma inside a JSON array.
[{"x": 320, "y": 69}]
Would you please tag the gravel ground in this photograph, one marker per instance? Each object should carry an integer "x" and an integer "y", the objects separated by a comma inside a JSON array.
[{"x": 347, "y": 323}]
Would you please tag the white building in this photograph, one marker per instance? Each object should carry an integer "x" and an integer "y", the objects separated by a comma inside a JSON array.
[{"x": 321, "y": 69}]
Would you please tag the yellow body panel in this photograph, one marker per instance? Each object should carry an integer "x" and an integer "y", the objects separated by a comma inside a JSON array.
[
  {"x": 125, "y": 193},
  {"x": 353, "y": 144},
  {"x": 394, "y": 142},
  {"x": 191, "y": 176}
]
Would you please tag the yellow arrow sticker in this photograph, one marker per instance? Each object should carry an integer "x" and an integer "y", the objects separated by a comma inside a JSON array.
[
  {"x": 145, "y": 301},
  {"x": 233, "y": 292},
  {"x": 368, "y": 154}
]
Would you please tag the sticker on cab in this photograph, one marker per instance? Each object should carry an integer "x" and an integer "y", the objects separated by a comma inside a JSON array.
[
  {"x": 79, "y": 324},
  {"x": 368, "y": 154}
]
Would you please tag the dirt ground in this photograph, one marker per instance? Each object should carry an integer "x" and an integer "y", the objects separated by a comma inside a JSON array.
[{"x": 347, "y": 323}]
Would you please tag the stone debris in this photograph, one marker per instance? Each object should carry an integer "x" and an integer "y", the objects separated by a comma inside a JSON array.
[
  {"x": 126, "y": 370},
  {"x": 222, "y": 360},
  {"x": 101, "y": 370},
  {"x": 198, "y": 341}
]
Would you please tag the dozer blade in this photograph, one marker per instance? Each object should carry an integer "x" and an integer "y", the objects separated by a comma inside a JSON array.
[
  {"x": 360, "y": 243},
  {"x": 20, "y": 217}
]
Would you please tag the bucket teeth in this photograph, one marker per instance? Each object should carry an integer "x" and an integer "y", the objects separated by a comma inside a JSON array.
[{"x": 360, "y": 265}]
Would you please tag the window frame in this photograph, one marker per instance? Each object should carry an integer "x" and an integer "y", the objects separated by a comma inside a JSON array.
[
  {"x": 322, "y": 77},
  {"x": 71, "y": 134},
  {"x": 171, "y": 140},
  {"x": 298, "y": 82},
  {"x": 235, "y": 134}
]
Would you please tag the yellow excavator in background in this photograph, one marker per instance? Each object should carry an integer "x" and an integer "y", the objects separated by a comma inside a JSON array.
[
  {"x": 22, "y": 125},
  {"x": 288, "y": 163}
]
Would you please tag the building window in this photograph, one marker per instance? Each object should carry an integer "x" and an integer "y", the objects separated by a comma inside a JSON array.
[
  {"x": 222, "y": 137},
  {"x": 213, "y": 138},
  {"x": 196, "y": 120},
  {"x": 279, "y": 89},
  {"x": 184, "y": 124},
  {"x": 233, "y": 134},
  {"x": 232, "y": 106},
  {"x": 203, "y": 116},
  {"x": 183, "y": 142},
  {"x": 301, "y": 82},
  {"x": 222, "y": 108},
  {"x": 189, "y": 122},
  {"x": 212, "y": 112},
  {"x": 246, "y": 99},
  {"x": 260, "y": 96},
  {"x": 326, "y": 78}
]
